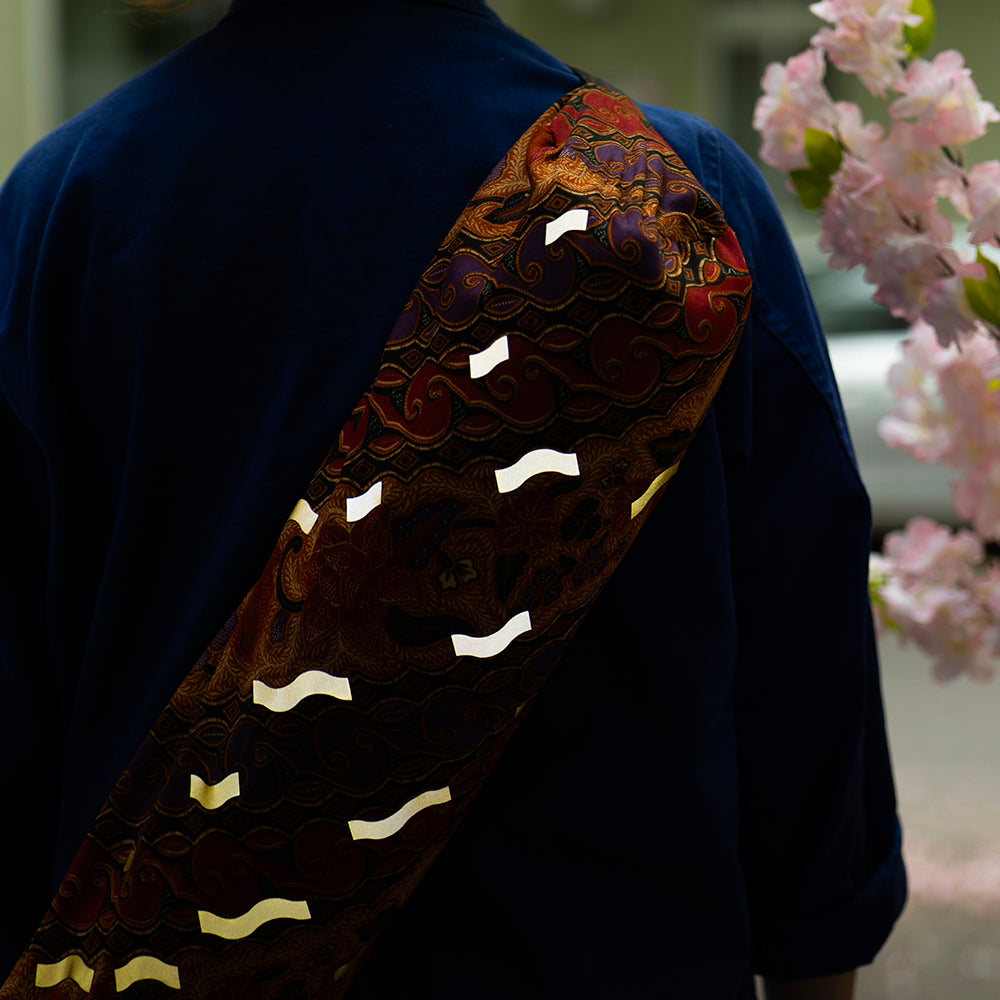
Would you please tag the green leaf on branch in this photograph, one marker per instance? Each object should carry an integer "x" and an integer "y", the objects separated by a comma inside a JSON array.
[
  {"x": 811, "y": 186},
  {"x": 919, "y": 37},
  {"x": 984, "y": 296},
  {"x": 823, "y": 152},
  {"x": 812, "y": 183},
  {"x": 878, "y": 602},
  {"x": 992, "y": 271}
]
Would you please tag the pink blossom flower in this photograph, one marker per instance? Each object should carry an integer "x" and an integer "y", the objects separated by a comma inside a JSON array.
[
  {"x": 983, "y": 202},
  {"x": 794, "y": 99},
  {"x": 855, "y": 214},
  {"x": 882, "y": 213},
  {"x": 969, "y": 403},
  {"x": 917, "y": 424},
  {"x": 976, "y": 496},
  {"x": 913, "y": 171},
  {"x": 942, "y": 98},
  {"x": 947, "y": 309},
  {"x": 867, "y": 38},
  {"x": 931, "y": 551},
  {"x": 944, "y": 409},
  {"x": 986, "y": 588},
  {"x": 930, "y": 586},
  {"x": 973, "y": 409},
  {"x": 861, "y": 138},
  {"x": 902, "y": 265}
]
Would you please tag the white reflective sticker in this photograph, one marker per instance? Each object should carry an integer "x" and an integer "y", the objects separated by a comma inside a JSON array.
[
  {"x": 575, "y": 220},
  {"x": 535, "y": 462},
  {"x": 285, "y": 698},
  {"x": 490, "y": 645},
  {"x": 485, "y": 361},
  {"x": 147, "y": 967},
  {"x": 362, "y": 506},
  {"x": 234, "y": 928},
  {"x": 217, "y": 795},
  {"x": 304, "y": 516},
  {"x": 362, "y": 829}
]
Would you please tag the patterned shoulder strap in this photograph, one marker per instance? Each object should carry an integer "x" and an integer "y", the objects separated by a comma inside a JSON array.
[{"x": 538, "y": 391}]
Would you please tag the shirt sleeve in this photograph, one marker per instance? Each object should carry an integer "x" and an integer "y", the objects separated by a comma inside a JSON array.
[
  {"x": 819, "y": 837},
  {"x": 819, "y": 841},
  {"x": 32, "y": 720},
  {"x": 30, "y": 737}
]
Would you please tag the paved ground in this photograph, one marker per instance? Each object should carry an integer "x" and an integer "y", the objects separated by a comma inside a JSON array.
[{"x": 946, "y": 748}]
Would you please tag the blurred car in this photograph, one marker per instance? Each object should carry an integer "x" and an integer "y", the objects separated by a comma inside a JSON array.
[{"x": 864, "y": 339}]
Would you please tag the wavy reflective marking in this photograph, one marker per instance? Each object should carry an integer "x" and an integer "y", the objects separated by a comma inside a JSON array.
[
  {"x": 147, "y": 967},
  {"x": 214, "y": 796},
  {"x": 575, "y": 220},
  {"x": 362, "y": 506},
  {"x": 73, "y": 967},
  {"x": 490, "y": 645},
  {"x": 485, "y": 361},
  {"x": 656, "y": 484},
  {"x": 362, "y": 829},
  {"x": 304, "y": 516},
  {"x": 265, "y": 911},
  {"x": 311, "y": 682},
  {"x": 535, "y": 462}
]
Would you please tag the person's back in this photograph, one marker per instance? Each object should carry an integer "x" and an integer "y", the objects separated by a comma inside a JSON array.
[{"x": 198, "y": 279}]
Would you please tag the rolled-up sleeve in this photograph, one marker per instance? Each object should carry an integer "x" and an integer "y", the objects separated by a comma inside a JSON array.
[{"x": 819, "y": 837}]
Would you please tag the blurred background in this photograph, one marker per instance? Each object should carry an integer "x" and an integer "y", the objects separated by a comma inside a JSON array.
[{"x": 706, "y": 57}]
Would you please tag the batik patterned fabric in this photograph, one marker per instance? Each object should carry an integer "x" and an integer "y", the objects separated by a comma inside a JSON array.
[{"x": 537, "y": 393}]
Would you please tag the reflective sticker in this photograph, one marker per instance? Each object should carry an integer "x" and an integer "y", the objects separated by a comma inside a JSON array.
[
  {"x": 380, "y": 829},
  {"x": 491, "y": 645},
  {"x": 575, "y": 220},
  {"x": 362, "y": 506},
  {"x": 535, "y": 462},
  {"x": 485, "y": 361},
  {"x": 265, "y": 911},
  {"x": 311, "y": 682}
]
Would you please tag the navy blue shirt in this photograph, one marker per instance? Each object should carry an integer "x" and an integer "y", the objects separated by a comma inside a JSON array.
[{"x": 197, "y": 276}]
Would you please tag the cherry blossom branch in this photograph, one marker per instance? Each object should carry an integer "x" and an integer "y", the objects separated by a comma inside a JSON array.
[{"x": 879, "y": 189}]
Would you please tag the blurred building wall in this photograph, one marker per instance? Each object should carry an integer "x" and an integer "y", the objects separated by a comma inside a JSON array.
[
  {"x": 707, "y": 56},
  {"x": 703, "y": 56},
  {"x": 30, "y": 60},
  {"x": 691, "y": 55}
]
